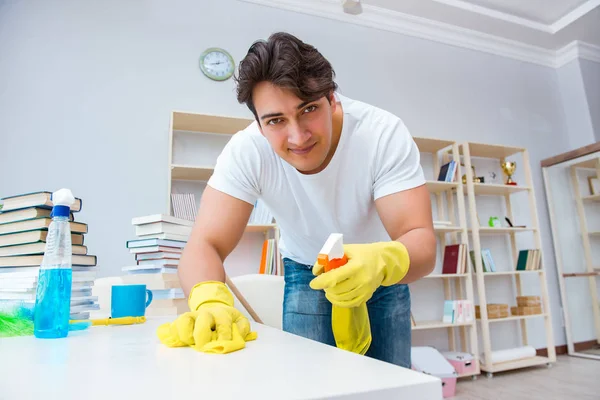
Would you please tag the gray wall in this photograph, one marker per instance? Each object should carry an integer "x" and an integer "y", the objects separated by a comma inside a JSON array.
[
  {"x": 576, "y": 93},
  {"x": 590, "y": 74},
  {"x": 87, "y": 90}
]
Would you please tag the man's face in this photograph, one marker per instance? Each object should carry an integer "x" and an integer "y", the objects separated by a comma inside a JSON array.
[{"x": 299, "y": 132}]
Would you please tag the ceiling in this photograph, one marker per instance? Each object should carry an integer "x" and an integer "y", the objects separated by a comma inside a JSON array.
[
  {"x": 542, "y": 11},
  {"x": 545, "y": 32},
  {"x": 550, "y": 24}
]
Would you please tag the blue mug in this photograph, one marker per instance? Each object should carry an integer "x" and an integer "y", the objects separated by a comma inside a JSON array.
[{"x": 129, "y": 300}]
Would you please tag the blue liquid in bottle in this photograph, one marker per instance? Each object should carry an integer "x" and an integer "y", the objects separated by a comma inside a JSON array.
[
  {"x": 53, "y": 306},
  {"x": 53, "y": 294}
]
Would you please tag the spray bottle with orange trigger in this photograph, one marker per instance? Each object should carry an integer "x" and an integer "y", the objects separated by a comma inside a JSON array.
[{"x": 332, "y": 254}]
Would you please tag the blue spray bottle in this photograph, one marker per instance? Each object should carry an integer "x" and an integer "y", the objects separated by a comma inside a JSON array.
[{"x": 53, "y": 296}]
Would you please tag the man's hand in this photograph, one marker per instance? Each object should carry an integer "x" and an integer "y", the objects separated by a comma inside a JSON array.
[
  {"x": 212, "y": 326},
  {"x": 369, "y": 266}
]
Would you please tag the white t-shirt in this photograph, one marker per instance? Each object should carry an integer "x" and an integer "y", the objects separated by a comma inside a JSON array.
[{"x": 376, "y": 156}]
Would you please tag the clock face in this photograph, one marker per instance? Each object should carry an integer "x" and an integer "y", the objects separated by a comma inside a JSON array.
[{"x": 217, "y": 64}]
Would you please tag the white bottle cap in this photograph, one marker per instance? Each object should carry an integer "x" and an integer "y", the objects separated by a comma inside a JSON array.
[{"x": 63, "y": 197}]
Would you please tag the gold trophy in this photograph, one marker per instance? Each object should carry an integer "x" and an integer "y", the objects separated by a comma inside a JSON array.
[{"x": 509, "y": 168}]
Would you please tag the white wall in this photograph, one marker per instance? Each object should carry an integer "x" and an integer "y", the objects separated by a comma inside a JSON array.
[
  {"x": 88, "y": 86},
  {"x": 575, "y": 104},
  {"x": 590, "y": 74}
]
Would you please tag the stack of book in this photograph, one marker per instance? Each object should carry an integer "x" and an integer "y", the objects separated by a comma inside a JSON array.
[
  {"x": 448, "y": 172},
  {"x": 268, "y": 260},
  {"x": 184, "y": 205},
  {"x": 157, "y": 248},
  {"x": 24, "y": 222},
  {"x": 486, "y": 260},
  {"x": 457, "y": 311},
  {"x": 529, "y": 260}
]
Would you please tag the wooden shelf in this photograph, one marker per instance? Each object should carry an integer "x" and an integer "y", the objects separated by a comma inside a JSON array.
[
  {"x": 184, "y": 121},
  {"x": 445, "y": 276},
  {"x": 447, "y": 229},
  {"x": 515, "y": 318},
  {"x": 581, "y": 274},
  {"x": 486, "y": 230},
  {"x": 431, "y": 145},
  {"x": 260, "y": 228},
  {"x": 492, "y": 150},
  {"x": 190, "y": 172},
  {"x": 593, "y": 197},
  {"x": 438, "y": 325},
  {"x": 439, "y": 186},
  {"x": 524, "y": 363},
  {"x": 505, "y": 273},
  {"x": 586, "y": 164},
  {"x": 492, "y": 189}
]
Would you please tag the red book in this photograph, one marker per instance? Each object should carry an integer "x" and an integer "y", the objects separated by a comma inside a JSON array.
[{"x": 450, "y": 263}]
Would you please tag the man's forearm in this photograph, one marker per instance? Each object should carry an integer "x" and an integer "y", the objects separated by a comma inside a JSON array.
[
  {"x": 199, "y": 262},
  {"x": 421, "y": 246}
]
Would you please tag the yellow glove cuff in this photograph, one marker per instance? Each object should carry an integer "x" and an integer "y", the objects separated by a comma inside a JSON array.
[
  {"x": 209, "y": 292},
  {"x": 396, "y": 259}
]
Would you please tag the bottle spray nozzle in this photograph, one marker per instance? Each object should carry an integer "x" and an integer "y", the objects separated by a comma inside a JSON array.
[
  {"x": 61, "y": 201},
  {"x": 63, "y": 197}
]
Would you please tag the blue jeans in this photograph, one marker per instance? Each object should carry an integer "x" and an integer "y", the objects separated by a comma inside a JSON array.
[{"x": 307, "y": 313}]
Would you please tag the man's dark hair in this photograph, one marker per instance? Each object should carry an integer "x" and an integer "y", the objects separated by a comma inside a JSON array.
[{"x": 287, "y": 62}]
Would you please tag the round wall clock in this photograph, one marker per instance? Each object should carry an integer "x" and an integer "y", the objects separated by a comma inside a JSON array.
[{"x": 217, "y": 64}]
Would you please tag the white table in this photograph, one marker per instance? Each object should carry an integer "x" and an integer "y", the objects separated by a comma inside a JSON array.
[{"x": 129, "y": 362}]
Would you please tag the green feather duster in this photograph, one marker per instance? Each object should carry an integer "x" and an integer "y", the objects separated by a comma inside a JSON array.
[{"x": 16, "y": 321}]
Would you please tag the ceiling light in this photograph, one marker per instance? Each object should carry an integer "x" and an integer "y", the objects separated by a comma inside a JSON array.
[{"x": 352, "y": 6}]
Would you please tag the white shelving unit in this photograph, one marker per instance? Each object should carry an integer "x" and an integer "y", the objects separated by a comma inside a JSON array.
[
  {"x": 195, "y": 142},
  {"x": 450, "y": 207},
  {"x": 592, "y": 267},
  {"x": 574, "y": 214},
  {"x": 468, "y": 153}
]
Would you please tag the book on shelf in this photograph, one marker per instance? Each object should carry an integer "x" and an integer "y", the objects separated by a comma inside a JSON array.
[
  {"x": 268, "y": 261},
  {"x": 183, "y": 206},
  {"x": 442, "y": 223},
  {"x": 458, "y": 311},
  {"x": 486, "y": 260},
  {"x": 528, "y": 260},
  {"x": 448, "y": 172},
  {"x": 455, "y": 259},
  {"x": 261, "y": 215},
  {"x": 24, "y": 223}
]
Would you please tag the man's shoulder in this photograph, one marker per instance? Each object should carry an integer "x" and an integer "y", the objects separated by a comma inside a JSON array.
[
  {"x": 250, "y": 140},
  {"x": 377, "y": 126},
  {"x": 368, "y": 115}
]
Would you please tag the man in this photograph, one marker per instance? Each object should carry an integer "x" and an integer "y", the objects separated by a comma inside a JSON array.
[{"x": 322, "y": 163}]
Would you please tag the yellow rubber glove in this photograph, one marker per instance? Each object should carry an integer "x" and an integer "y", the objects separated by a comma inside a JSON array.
[
  {"x": 212, "y": 326},
  {"x": 351, "y": 328},
  {"x": 369, "y": 266}
]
